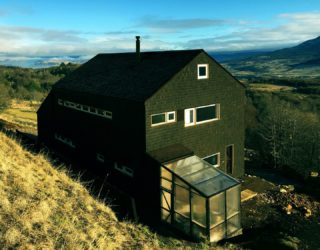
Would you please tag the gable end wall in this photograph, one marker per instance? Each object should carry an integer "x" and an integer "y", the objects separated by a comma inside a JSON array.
[{"x": 183, "y": 91}]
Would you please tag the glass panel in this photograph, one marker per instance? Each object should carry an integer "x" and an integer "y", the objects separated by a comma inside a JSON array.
[
  {"x": 202, "y": 71},
  {"x": 166, "y": 174},
  {"x": 202, "y": 175},
  {"x": 233, "y": 224},
  {"x": 171, "y": 116},
  {"x": 166, "y": 200},
  {"x": 217, "y": 209},
  {"x": 180, "y": 182},
  {"x": 182, "y": 223},
  {"x": 213, "y": 159},
  {"x": 215, "y": 185},
  {"x": 160, "y": 118},
  {"x": 233, "y": 201},
  {"x": 206, "y": 113},
  {"x": 181, "y": 201},
  {"x": 199, "y": 232},
  {"x": 198, "y": 204},
  {"x": 166, "y": 184},
  {"x": 165, "y": 215},
  {"x": 218, "y": 233}
]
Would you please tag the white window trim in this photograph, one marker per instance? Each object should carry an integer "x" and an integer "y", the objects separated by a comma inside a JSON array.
[
  {"x": 91, "y": 110},
  {"x": 166, "y": 115},
  {"x": 194, "y": 110},
  {"x": 124, "y": 170},
  {"x": 174, "y": 116},
  {"x": 64, "y": 140},
  {"x": 207, "y": 71},
  {"x": 217, "y": 165},
  {"x": 100, "y": 157}
]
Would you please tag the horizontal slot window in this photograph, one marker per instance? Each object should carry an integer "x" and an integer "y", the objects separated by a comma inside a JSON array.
[
  {"x": 163, "y": 118},
  {"x": 87, "y": 109},
  {"x": 64, "y": 140},
  {"x": 124, "y": 169},
  {"x": 100, "y": 157}
]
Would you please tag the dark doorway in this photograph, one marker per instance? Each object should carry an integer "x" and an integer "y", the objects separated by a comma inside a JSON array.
[{"x": 229, "y": 159}]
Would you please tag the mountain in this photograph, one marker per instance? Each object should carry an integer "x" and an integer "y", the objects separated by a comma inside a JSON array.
[
  {"x": 224, "y": 56},
  {"x": 298, "y": 62},
  {"x": 305, "y": 51}
]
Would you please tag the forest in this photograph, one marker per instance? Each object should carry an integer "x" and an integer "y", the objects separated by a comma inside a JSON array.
[{"x": 29, "y": 84}]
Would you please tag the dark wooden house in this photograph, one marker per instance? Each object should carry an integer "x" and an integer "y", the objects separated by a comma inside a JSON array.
[{"x": 168, "y": 129}]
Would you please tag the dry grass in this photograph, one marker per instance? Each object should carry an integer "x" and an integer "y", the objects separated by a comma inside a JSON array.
[
  {"x": 22, "y": 114},
  {"x": 42, "y": 208},
  {"x": 269, "y": 87}
]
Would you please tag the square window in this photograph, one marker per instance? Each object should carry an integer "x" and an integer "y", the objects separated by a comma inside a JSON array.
[
  {"x": 202, "y": 71},
  {"x": 171, "y": 116}
]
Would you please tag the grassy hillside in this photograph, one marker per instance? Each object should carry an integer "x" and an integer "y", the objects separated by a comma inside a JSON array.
[{"x": 43, "y": 208}]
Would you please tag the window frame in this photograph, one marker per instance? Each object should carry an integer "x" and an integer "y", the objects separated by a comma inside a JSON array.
[
  {"x": 194, "y": 114},
  {"x": 206, "y": 76},
  {"x": 218, "y": 159},
  {"x": 166, "y": 117}
]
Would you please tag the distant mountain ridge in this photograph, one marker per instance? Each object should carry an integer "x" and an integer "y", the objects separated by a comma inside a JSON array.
[
  {"x": 299, "y": 62},
  {"x": 310, "y": 48}
]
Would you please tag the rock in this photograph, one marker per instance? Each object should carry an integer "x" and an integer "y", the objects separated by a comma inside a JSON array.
[
  {"x": 288, "y": 209},
  {"x": 307, "y": 212},
  {"x": 282, "y": 190},
  {"x": 314, "y": 174},
  {"x": 286, "y": 188},
  {"x": 290, "y": 188}
]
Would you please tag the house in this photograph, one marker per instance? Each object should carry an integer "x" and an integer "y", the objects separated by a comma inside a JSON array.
[{"x": 167, "y": 127}]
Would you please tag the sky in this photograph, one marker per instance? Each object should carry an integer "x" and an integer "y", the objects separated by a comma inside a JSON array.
[{"x": 64, "y": 28}]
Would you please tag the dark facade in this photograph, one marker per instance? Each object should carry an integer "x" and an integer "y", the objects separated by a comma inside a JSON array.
[{"x": 103, "y": 115}]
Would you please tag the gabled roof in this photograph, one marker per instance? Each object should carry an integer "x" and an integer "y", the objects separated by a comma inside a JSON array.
[{"x": 121, "y": 75}]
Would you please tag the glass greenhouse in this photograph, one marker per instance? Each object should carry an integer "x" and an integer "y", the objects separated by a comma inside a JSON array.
[{"x": 199, "y": 199}]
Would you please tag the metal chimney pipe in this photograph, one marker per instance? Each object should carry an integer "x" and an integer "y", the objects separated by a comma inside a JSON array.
[{"x": 138, "y": 48}]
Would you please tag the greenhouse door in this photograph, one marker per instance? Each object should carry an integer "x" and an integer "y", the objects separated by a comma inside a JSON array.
[{"x": 229, "y": 158}]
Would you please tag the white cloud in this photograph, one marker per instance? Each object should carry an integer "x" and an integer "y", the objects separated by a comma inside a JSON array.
[
  {"x": 237, "y": 35},
  {"x": 296, "y": 28}
]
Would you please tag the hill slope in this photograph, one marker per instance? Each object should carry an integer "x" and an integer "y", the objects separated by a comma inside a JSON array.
[
  {"x": 299, "y": 62},
  {"x": 42, "y": 208}
]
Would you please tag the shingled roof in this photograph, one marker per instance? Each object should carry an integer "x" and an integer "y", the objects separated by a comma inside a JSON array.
[{"x": 121, "y": 75}]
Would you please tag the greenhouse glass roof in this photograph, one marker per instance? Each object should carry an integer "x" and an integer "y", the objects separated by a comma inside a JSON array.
[{"x": 201, "y": 175}]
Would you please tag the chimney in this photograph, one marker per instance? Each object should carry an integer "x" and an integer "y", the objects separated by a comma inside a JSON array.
[{"x": 138, "y": 48}]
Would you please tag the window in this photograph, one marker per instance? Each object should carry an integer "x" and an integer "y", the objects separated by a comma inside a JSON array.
[
  {"x": 162, "y": 118},
  {"x": 214, "y": 159},
  {"x": 100, "y": 157},
  {"x": 203, "y": 71},
  {"x": 202, "y": 114},
  {"x": 86, "y": 109},
  {"x": 124, "y": 170},
  {"x": 64, "y": 140}
]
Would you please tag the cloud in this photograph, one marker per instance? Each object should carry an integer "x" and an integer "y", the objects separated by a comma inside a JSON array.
[
  {"x": 290, "y": 29},
  {"x": 177, "y": 25},
  {"x": 295, "y": 28}
]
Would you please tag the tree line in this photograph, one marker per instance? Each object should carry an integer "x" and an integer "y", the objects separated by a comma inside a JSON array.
[
  {"x": 285, "y": 135},
  {"x": 29, "y": 84}
]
